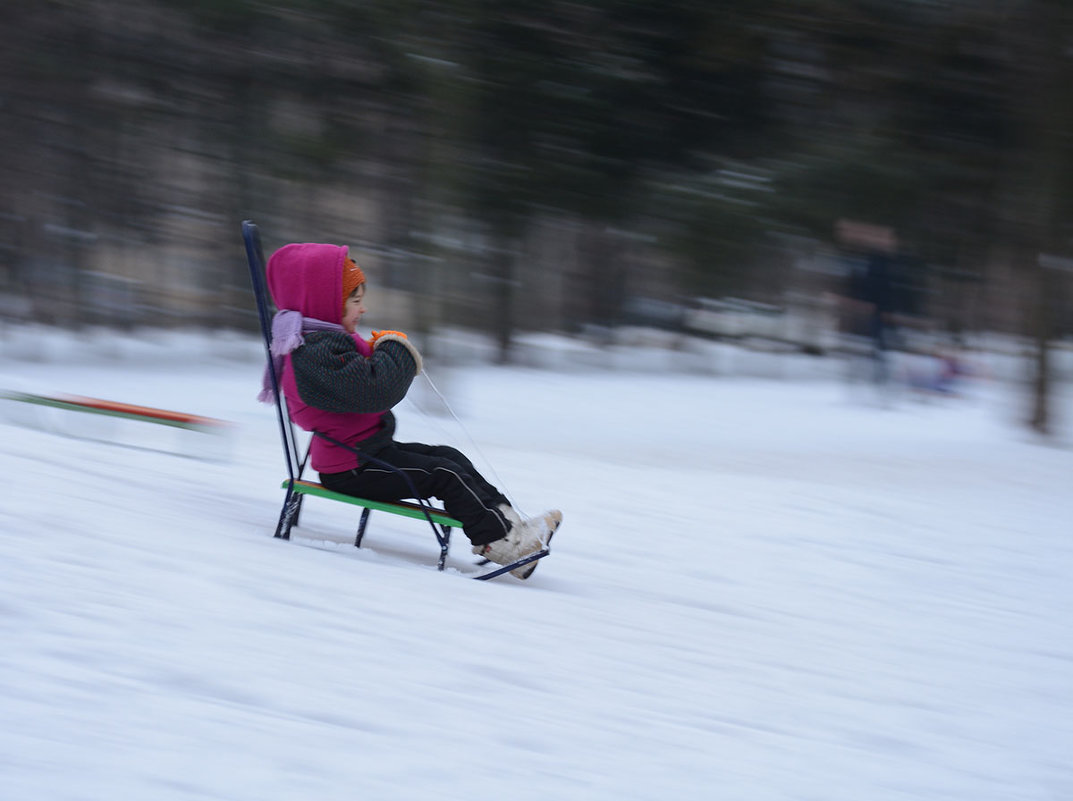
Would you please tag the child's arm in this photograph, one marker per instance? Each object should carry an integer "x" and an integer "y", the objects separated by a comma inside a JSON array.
[{"x": 331, "y": 373}]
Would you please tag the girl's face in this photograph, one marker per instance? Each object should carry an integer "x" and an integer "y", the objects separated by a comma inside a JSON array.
[{"x": 354, "y": 308}]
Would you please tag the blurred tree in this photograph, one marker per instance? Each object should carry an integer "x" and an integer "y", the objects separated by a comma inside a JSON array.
[
  {"x": 716, "y": 224},
  {"x": 573, "y": 105},
  {"x": 1042, "y": 211}
]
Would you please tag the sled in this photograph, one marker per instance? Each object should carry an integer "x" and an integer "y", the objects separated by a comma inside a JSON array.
[
  {"x": 126, "y": 411},
  {"x": 296, "y": 488}
]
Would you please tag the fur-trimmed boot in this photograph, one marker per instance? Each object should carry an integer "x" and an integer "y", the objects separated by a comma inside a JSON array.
[{"x": 525, "y": 537}]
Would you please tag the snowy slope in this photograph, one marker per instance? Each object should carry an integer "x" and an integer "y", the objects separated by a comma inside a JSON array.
[{"x": 762, "y": 590}]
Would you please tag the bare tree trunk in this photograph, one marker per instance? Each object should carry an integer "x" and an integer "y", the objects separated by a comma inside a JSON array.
[
  {"x": 1048, "y": 117},
  {"x": 604, "y": 273},
  {"x": 1040, "y": 418},
  {"x": 503, "y": 300}
]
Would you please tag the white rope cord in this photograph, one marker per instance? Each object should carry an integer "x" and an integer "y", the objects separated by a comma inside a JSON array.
[{"x": 473, "y": 446}]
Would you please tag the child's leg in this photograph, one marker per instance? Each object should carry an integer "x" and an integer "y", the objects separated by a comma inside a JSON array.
[
  {"x": 489, "y": 493},
  {"x": 465, "y": 496}
]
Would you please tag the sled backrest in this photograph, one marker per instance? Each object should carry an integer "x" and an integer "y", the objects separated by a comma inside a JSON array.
[{"x": 255, "y": 258}]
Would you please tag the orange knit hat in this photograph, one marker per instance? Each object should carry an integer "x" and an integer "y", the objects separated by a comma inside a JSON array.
[{"x": 353, "y": 277}]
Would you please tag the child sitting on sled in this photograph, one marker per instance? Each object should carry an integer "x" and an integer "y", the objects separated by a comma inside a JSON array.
[{"x": 343, "y": 387}]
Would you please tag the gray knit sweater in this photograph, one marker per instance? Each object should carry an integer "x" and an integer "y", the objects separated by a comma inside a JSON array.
[{"x": 332, "y": 374}]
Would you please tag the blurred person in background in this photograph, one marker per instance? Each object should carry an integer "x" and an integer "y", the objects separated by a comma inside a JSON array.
[
  {"x": 342, "y": 387},
  {"x": 869, "y": 301}
]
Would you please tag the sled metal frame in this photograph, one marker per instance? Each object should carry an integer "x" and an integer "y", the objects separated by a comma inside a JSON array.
[{"x": 296, "y": 488}]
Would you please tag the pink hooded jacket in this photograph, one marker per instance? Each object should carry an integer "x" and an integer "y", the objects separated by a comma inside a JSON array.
[{"x": 308, "y": 278}]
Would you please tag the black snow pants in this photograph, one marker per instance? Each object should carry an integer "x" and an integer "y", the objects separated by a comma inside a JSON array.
[{"x": 436, "y": 471}]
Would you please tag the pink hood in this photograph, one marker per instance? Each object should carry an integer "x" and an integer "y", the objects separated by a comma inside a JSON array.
[{"x": 308, "y": 278}]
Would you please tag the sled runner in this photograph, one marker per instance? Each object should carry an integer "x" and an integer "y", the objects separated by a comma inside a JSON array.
[{"x": 296, "y": 487}]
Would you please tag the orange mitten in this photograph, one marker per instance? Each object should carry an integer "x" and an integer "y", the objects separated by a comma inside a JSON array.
[
  {"x": 377, "y": 334},
  {"x": 396, "y": 336}
]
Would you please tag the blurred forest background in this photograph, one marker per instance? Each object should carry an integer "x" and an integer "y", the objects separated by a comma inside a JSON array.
[{"x": 553, "y": 166}]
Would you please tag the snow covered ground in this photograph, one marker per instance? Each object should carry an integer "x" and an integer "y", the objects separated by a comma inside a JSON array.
[{"x": 763, "y": 589}]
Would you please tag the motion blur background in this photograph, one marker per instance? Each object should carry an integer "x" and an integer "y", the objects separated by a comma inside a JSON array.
[{"x": 708, "y": 170}]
